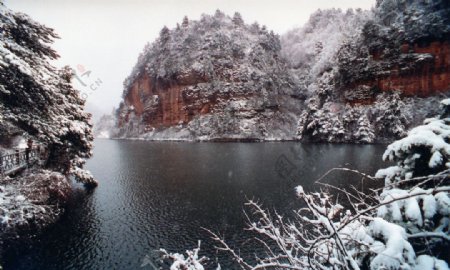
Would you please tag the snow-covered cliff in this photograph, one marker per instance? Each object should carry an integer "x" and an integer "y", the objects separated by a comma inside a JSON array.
[
  {"x": 353, "y": 76},
  {"x": 371, "y": 75},
  {"x": 216, "y": 78}
]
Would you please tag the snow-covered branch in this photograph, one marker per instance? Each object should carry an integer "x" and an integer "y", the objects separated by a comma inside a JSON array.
[{"x": 401, "y": 226}]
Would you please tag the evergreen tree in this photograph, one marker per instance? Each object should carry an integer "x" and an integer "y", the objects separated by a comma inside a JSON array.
[
  {"x": 38, "y": 99},
  {"x": 237, "y": 19},
  {"x": 318, "y": 47},
  {"x": 219, "y": 14},
  {"x": 164, "y": 35},
  {"x": 391, "y": 119},
  {"x": 365, "y": 133},
  {"x": 255, "y": 27},
  {"x": 185, "y": 22}
]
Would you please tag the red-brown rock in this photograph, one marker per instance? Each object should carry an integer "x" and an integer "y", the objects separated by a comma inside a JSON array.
[{"x": 423, "y": 71}]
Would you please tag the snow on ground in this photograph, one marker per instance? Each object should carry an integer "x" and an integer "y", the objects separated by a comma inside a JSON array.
[
  {"x": 31, "y": 201},
  {"x": 103, "y": 135}
]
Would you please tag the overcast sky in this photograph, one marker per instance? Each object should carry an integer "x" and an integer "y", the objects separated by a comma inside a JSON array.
[{"x": 106, "y": 36}]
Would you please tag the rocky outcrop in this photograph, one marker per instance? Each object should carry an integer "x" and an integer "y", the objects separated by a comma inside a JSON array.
[
  {"x": 424, "y": 71},
  {"x": 381, "y": 77},
  {"x": 213, "y": 79},
  {"x": 419, "y": 70},
  {"x": 354, "y": 76},
  {"x": 404, "y": 47},
  {"x": 165, "y": 104},
  {"x": 31, "y": 202}
]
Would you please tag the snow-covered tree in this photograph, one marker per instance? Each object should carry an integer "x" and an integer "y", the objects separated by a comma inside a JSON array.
[
  {"x": 424, "y": 151},
  {"x": 164, "y": 36},
  {"x": 365, "y": 131},
  {"x": 419, "y": 184},
  {"x": 327, "y": 30},
  {"x": 350, "y": 119},
  {"x": 391, "y": 117},
  {"x": 224, "y": 70},
  {"x": 404, "y": 225},
  {"x": 219, "y": 14},
  {"x": 237, "y": 19},
  {"x": 185, "y": 22},
  {"x": 39, "y": 99}
]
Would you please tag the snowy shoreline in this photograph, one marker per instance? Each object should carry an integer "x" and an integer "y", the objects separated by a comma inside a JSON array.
[
  {"x": 233, "y": 140},
  {"x": 29, "y": 203}
]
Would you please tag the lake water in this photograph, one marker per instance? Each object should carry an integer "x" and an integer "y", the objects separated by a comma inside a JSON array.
[{"x": 156, "y": 195}]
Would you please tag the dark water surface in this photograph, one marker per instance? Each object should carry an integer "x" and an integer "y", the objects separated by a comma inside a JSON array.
[{"x": 160, "y": 194}]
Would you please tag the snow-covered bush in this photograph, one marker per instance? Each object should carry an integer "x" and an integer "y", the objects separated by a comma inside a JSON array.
[
  {"x": 424, "y": 151},
  {"x": 192, "y": 261},
  {"x": 421, "y": 177},
  {"x": 32, "y": 201},
  {"x": 404, "y": 225}
]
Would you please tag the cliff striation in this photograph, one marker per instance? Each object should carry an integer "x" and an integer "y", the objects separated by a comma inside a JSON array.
[
  {"x": 421, "y": 70},
  {"x": 372, "y": 82}
]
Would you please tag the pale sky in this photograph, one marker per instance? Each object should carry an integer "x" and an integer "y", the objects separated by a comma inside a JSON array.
[{"x": 106, "y": 36}]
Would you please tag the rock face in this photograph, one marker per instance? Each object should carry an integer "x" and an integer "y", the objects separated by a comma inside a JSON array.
[
  {"x": 422, "y": 70},
  {"x": 428, "y": 74},
  {"x": 354, "y": 76},
  {"x": 165, "y": 104},
  {"x": 372, "y": 82},
  {"x": 404, "y": 47},
  {"x": 216, "y": 78}
]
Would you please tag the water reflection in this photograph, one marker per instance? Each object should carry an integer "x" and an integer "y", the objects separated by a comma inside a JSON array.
[{"x": 155, "y": 195}]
